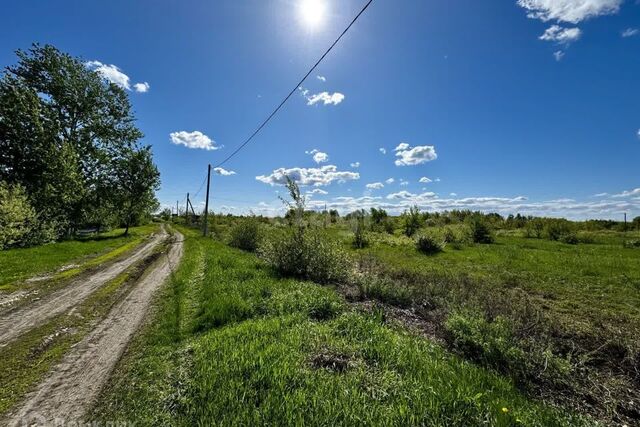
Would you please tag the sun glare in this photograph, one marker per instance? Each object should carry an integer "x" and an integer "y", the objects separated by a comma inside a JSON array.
[{"x": 312, "y": 12}]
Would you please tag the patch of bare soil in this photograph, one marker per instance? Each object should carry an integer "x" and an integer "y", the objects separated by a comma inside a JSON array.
[{"x": 68, "y": 392}]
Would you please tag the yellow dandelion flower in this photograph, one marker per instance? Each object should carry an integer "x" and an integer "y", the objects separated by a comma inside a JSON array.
[{"x": 505, "y": 410}]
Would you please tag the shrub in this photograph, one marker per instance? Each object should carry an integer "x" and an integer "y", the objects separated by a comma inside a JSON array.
[
  {"x": 448, "y": 236},
  {"x": 534, "y": 228},
  {"x": 631, "y": 244},
  {"x": 17, "y": 217},
  {"x": 360, "y": 239},
  {"x": 307, "y": 255},
  {"x": 556, "y": 229},
  {"x": 428, "y": 244},
  {"x": 411, "y": 221},
  {"x": 569, "y": 238},
  {"x": 299, "y": 252},
  {"x": 246, "y": 235},
  {"x": 479, "y": 230}
]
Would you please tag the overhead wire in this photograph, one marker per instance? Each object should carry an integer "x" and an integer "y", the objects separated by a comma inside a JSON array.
[{"x": 295, "y": 88}]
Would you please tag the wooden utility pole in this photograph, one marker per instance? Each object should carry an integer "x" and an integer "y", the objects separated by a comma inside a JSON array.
[
  {"x": 186, "y": 211},
  {"x": 625, "y": 221},
  {"x": 206, "y": 203}
]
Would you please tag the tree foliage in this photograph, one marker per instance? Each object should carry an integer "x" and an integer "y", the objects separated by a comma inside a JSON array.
[{"x": 64, "y": 134}]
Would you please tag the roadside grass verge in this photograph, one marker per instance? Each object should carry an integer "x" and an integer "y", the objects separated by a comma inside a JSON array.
[
  {"x": 25, "y": 361},
  {"x": 20, "y": 264},
  {"x": 229, "y": 343}
]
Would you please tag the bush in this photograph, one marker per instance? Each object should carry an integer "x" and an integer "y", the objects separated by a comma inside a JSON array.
[
  {"x": 448, "y": 236},
  {"x": 307, "y": 255},
  {"x": 556, "y": 229},
  {"x": 411, "y": 221},
  {"x": 569, "y": 238},
  {"x": 17, "y": 217},
  {"x": 428, "y": 244},
  {"x": 479, "y": 230},
  {"x": 534, "y": 228},
  {"x": 631, "y": 244},
  {"x": 360, "y": 239},
  {"x": 246, "y": 235}
]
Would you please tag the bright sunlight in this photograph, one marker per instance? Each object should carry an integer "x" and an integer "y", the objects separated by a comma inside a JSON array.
[{"x": 312, "y": 12}]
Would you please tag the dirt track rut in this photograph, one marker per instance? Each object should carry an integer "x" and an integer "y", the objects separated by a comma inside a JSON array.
[
  {"x": 16, "y": 322},
  {"x": 70, "y": 389}
]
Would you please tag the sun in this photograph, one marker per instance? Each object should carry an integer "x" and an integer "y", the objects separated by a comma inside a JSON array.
[{"x": 312, "y": 12}]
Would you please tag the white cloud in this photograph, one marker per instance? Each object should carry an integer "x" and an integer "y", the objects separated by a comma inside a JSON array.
[
  {"x": 142, "y": 87},
  {"x": 382, "y": 150},
  {"x": 111, "y": 73},
  {"x": 573, "y": 11},
  {"x": 414, "y": 156},
  {"x": 638, "y": 134},
  {"x": 324, "y": 175},
  {"x": 452, "y": 194},
  {"x": 223, "y": 172},
  {"x": 375, "y": 186},
  {"x": 560, "y": 35},
  {"x": 390, "y": 181},
  {"x": 195, "y": 139},
  {"x": 558, "y": 55},
  {"x": 321, "y": 78},
  {"x": 320, "y": 157},
  {"x": 317, "y": 191},
  {"x": 425, "y": 180},
  {"x": 355, "y": 165},
  {"x": 629, "y": 32},
  {"x": 405, "y": 195},
  {"x": 314, "y": 151},
  {"x": 325, "y": 97},
  {"x": 629, "y": 193},
  {"x": 404, "y": 183}
]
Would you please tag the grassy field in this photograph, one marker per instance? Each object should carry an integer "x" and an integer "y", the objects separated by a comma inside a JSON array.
[
  {"x": 599, "y": 280},
  {"x": 232, "y": 344},
  {"x": 20, "y": 264}
]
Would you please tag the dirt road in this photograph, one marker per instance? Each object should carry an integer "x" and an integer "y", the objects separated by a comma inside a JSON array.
[
  {"x": 69, "y": 390},
  {"x": 18, "y": 321}
]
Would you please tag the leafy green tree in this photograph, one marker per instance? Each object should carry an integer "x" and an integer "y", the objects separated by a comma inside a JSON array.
[
  {"x": 60, "y": 125},
  {"x": 136, "y": 180}
]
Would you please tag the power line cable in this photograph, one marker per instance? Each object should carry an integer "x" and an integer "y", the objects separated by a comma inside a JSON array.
[
  {"x": 200, "y": 189},
  {"x": 264, "y": 123}
]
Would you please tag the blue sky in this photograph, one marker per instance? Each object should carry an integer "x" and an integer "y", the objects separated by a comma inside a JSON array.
[{"x": 528, "y": 106}]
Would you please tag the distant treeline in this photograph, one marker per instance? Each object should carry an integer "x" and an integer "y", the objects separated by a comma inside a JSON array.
[{"x": 70, "y": 155}]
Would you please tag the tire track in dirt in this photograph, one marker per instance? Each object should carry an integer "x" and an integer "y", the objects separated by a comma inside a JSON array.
[
  {"x": 16, "y": 322},
  {"x": 73, "y": 385}
]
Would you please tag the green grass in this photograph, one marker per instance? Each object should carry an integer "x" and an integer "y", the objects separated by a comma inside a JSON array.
[
  {"x": 596, "y": 281},
  {"x": 18, "y": 265},
  {"x": 230, "y": 344}
]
